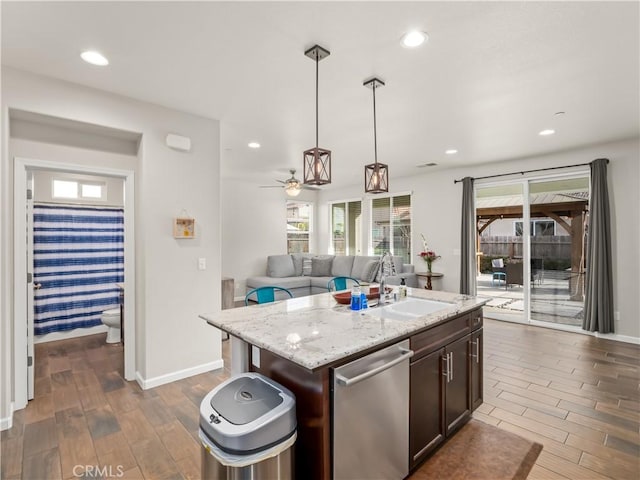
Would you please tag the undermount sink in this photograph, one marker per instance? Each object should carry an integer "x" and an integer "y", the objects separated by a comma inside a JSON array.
[{"x": 408, "y": 309}]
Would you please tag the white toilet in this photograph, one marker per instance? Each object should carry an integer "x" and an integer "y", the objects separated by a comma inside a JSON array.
[{"x": 111, "y": 318}]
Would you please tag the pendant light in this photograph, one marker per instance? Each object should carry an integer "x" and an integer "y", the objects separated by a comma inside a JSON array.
[
  {"x": 376, "y": 175},
  {"x": 317, "y": 161}
]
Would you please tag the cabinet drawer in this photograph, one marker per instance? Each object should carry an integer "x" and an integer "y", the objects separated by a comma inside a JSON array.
[
  {"x": 475, "y": 319},
  {"x": 426, "y": 342}
]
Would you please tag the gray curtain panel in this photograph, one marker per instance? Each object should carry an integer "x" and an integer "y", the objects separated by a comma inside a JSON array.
[
  {"x": 598, "y": 306},
  {"x": 468, "y": 240}
]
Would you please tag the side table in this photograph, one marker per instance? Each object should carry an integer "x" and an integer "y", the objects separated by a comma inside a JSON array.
[{"x": 429, "y": 276}]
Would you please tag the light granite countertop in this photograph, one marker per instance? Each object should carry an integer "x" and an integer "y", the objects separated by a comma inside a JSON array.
[{"x": 315, "y": 331}]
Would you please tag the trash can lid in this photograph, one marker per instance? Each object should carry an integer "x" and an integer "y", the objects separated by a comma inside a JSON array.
[{"x": 245, "y": 399}]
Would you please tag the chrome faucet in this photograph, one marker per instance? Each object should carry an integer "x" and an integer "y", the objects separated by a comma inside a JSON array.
[{"x": 386, "y": 268}]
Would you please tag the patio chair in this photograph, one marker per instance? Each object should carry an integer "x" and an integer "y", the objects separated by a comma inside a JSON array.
[
  {"x": 498, "y": 271},
  {"x": 341, "y": 283},
  {"x": 265, "y": 294}
]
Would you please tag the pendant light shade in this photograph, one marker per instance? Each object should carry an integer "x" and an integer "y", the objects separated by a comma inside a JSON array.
[
  {"x": 317, "y": 161},
  {"x": 376, "y": 175}
]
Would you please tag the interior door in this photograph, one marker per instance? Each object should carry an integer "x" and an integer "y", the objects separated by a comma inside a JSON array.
[{"x": 31, "y": 287}]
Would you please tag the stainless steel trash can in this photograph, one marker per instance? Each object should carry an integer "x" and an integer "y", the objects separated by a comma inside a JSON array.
[{"x": 248, "y": 429}]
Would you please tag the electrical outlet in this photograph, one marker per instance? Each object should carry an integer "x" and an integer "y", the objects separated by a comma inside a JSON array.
[
  {"x": 616, "y": 316},
  {"x": 202, "y": 264}
]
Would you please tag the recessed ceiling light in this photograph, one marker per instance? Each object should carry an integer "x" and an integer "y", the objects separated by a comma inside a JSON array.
[
  {"x": 430, "y": 164},
  {"x": 546, "y": 132},
  {"x": 254, "y": 145},
  {"x": 94, "y": 58},
  {"x": 414, "y": 39},
  {"x": 451, "y": 151},
  {"x": 559, "y": 114}
]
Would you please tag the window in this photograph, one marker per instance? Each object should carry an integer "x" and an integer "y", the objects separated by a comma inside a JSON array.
[
  {"x": 65, "y": 189},
  {"x": 72, "y": 189},
  {"x": 299, "y": 221},
  {"x": 539, "y": 228},
  {"x": 391, "y": 226},
  {"x": 346, "y": 227}
]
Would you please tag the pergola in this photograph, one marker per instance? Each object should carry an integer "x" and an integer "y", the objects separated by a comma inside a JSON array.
[{"x": 570, "y": 214}]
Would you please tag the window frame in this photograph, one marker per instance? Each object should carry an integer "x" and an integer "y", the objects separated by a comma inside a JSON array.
[
  {"x": 310, "y": 221},
  {"x": 347, "y": 234},
  {"x": 391, "y": 196}
]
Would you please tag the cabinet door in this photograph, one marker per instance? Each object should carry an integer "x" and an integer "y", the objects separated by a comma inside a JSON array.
[
  {"x": 457, "y": 404},
  {"x": 475, "y": 357},
  {"x": 426, "y": 426}
]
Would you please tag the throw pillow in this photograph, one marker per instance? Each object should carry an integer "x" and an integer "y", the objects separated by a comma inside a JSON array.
[
  {"x": 298, "y": 259},
  {"x": 321, "y": 267},
  {"x": 280, "y": 266},
  {"x": 370, "y": 271},
  {"x": 306, "y": 266}
]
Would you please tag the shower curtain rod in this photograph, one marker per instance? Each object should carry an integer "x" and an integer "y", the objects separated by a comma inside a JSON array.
[{"x": 526, "y": 171}]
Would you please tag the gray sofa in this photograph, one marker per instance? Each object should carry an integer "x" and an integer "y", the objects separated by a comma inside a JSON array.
[{"x": 308, "y": 274}]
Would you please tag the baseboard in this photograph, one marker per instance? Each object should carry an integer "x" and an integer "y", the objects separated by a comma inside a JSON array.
[
  {"x": 153, "y": 382},
  {"x": 617, "y": 337},
  {"x": 78, "y": 332},
  {"x": 239, "y": 299},
  {"x": 7, "y": 422}
]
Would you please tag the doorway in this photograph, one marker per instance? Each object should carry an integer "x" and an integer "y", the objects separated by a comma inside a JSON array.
[
  {"x": 23, "y": 344},
  {"x": 531, "y": 249}
]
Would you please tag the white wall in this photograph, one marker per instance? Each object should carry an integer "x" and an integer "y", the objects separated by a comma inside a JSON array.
[{"x": 170, "y": 291}]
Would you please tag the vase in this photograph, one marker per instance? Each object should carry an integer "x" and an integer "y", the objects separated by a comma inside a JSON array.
[{"x": 428, "y": 267}]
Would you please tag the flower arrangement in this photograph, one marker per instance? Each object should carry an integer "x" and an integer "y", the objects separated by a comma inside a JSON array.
[{"x": 428, "y": 255}]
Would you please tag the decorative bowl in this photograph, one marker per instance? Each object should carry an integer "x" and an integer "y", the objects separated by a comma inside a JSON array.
[{"x": 344, "y": 298}]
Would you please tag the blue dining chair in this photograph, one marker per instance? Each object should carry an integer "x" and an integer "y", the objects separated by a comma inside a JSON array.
[
  {"x": 340, "y": 283},
  {"x": 266, "y": 294}
]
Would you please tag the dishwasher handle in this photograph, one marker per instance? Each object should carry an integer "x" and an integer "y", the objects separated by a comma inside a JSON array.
[{"x": 342, "y": 380}]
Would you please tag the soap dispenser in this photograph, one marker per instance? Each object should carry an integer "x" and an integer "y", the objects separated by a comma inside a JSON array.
[{"x": 403, "y": 289}]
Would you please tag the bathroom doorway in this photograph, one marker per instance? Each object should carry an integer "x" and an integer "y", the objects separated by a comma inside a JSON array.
[{"x": 24, "y": 285}]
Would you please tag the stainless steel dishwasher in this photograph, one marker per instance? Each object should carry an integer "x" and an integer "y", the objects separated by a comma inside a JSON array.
[{"x": 371, "y": 416}]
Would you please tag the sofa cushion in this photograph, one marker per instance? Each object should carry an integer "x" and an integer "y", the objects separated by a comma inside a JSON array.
[
  {"x": 320, "y": 282},
  {"x": 370, "y": 271},
  {"x": 359, "y": 262},
  {"x": 321, "y": 266},
  {"x": 299, "y": 260},
  {"x": 280, "y": 266},
  {"x": 342, "y": 266}
]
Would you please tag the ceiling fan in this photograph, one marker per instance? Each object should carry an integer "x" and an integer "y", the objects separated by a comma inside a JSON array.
[{"x": 292, "y": 186}]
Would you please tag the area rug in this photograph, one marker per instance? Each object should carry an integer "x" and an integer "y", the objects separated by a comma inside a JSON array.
[{"x": 481, "y": 451}]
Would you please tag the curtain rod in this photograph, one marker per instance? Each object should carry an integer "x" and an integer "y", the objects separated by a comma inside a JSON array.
[{"x": 527, "y": 171}]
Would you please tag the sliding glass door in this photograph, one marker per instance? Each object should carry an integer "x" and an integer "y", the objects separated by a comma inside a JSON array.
[
  {"x": 558, "y": 211},
  {"x": 531, "y": 254}
]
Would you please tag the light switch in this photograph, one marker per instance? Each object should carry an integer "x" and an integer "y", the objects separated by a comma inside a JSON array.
[{"x": 202, "y": 264}]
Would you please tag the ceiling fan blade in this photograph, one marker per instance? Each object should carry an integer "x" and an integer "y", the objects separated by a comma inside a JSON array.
[
  {"x": 309, "y": 187},
  {"x": 271, "y": 186},
  {"x": 281, "y": 181}
]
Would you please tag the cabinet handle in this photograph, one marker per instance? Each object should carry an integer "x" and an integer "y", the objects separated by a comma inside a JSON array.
[
  {"x": 446, "y": 367},
  {"x": 478, "y": 350},
  {"x": 451, "y": 364},
  {"x": 474, "y": 343}
]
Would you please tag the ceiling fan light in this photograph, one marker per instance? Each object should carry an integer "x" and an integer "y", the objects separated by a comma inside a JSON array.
[{"x": 293, "y": 189}]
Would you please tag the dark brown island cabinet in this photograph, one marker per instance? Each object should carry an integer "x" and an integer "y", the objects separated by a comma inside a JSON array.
[
  {"x": 445, "y": 387},
  {"x": 446, "y": 382}
]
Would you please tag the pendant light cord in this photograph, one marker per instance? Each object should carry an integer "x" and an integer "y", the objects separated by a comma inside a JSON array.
[{"x": 375, "y": 134}]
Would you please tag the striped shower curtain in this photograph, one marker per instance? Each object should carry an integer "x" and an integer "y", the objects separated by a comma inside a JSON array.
[{"x": 78, "y": 255}]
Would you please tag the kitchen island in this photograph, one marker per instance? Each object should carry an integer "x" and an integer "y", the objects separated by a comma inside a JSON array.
[{"x": 299, "y": 342}]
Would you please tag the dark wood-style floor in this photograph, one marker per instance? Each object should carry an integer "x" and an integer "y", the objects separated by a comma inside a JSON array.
[{"x": 575, "y": 394}]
